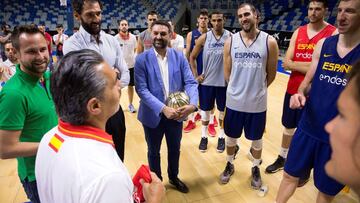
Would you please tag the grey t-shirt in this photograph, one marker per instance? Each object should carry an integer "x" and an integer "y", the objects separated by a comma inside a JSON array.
[
  {"x": 213, "y": 63},
  {"x": 247, "y": 88},
  {"x": 146, "y": 39}
]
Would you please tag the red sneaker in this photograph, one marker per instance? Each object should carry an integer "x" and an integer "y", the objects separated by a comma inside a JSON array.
[
  {"x": 211, "y": 130},
  {"x": 189, "y": 127},
  {"x": 197, "y": 117},
  {"x": 215, "y": 122}
]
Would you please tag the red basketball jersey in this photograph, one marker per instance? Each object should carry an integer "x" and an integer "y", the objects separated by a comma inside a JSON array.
[{"x": 304, "y": 48}]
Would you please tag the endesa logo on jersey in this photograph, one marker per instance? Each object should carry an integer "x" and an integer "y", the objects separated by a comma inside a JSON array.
[
  {"x": 304, "y": 55},
  {"x": 335, "y": 67},
  {"x": 305, "y": 50}
]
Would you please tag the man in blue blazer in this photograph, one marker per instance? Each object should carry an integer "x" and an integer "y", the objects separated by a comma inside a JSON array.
[{"x": 159, "y": 72}]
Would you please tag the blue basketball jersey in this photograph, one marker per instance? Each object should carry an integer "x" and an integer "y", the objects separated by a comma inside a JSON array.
[
  {"x": 195, "y": 34},
  {"x": 328, "y": 82}
]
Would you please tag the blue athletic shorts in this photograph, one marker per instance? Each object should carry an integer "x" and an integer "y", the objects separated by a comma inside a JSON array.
[
  {"x": 208, "y": 95},
  {"x": 306, "y": 153},
  {"x": 253, "y": 124},
  {"x": 290, "y": 117}
]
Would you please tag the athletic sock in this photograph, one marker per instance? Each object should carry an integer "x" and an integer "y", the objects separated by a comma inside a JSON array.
[
  {"x": 204, "y": 131},
  {"x": 256, "y": 162},
  {"x": 212, "y": 118},
  {"x": 283, "y": 152},
  {"x": 222, "y": 133}
]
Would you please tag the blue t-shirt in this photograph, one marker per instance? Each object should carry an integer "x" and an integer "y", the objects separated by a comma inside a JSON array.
[
  {"x": 195, "y": 34},
  {"x": 328, "y": 82}
]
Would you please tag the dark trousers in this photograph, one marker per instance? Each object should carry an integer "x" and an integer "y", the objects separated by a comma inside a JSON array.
[
  {"x": 173, "y": 133},
  {"x": 31, "y": 190},
  {"x": 115, "y": 126}
]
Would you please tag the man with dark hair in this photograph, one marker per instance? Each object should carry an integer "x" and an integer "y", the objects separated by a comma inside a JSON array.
[
  {"x": 59, "y": 40},
  {"x": 213, "y": 85},
  {"x": 48, "y": 38},
  {"x": 28, "y": 114},
  {"x": 9, "y": 65},
  {"x": 344, "y": 133},
  {"x": 90, "y": 36},
  {"x": 297, "y": 59},
  {"x": 128, "y": 46},
  {"x": 79, "y": 149},
  {"x": 317, "y": 94},
  {"x": 4, "y": 36},
  {"x": 177, "y": 41},
  {"x": 202, "y": 27},
  {"x": 145, "y": 41},
  {"x": 159, "y": 72},
  {"x": 250, "y": 61}
]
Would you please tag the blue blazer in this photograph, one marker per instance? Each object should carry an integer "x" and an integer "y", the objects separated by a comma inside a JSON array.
[{"x": 150, "y": 87}]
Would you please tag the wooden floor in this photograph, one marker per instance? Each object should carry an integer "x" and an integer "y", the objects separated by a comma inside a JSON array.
[{"x": 199, "y": 170}]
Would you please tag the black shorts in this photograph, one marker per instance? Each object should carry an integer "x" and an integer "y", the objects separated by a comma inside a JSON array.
[
  {"x": 290, "y": 117},
  {"x": 131, "y": 72}
]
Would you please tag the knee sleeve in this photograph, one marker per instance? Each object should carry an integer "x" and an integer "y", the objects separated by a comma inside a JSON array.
[
  {"x": 289, "y": 131},
  {"x": 221, "y": 115},
  {"x": 231, "y": 142},
  {"x": 257, "y": 144},
  {"x": 205, "y": 115}
]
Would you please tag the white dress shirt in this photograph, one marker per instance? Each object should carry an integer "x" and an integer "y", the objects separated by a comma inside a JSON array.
[
  {"x": 108, "y": 47},
  {"x": 164, "y": 70}
]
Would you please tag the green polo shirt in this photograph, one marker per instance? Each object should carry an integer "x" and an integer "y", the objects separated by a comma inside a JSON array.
[{"x": 27, "y": 106}]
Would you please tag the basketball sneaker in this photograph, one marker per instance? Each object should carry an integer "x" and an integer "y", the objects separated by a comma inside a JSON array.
[
  {"x": 221, "y": 145},
  {"x": 190, "y": 126},
  {"x": 227, "y": 173},
  {"x": 203, "y": 144},
  {"x": 211, "y": 130},
  {"x": 197, "y": 117},
  {"x": 255, "y": 178},
  {"x": 276, "y": 166}
]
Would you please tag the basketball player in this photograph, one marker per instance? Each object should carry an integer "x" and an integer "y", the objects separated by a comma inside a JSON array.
[
  {"x": 145, "y": 41},
  {"x": 213, "y": 85},
  {"x": 128, "y": 46},
  {"x": 202, "y": 23},
  {"x": 319, "y": 92},
  {"x": 177, "y": 41},
  {"x": 250, "y": 61},
  {"x": 344, "y": 132},
  {"x": 297, "y": 59}
]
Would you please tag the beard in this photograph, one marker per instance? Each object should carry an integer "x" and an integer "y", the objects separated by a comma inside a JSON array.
[
  {"x": 91, "y": 28},
  {"x": 249, "y": 28},
  {"x": 160, "y": 43},
  {"x": 36, "y": 66}
]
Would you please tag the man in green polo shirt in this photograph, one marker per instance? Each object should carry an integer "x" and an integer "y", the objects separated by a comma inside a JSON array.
[{"x": 26, "y": 107}]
